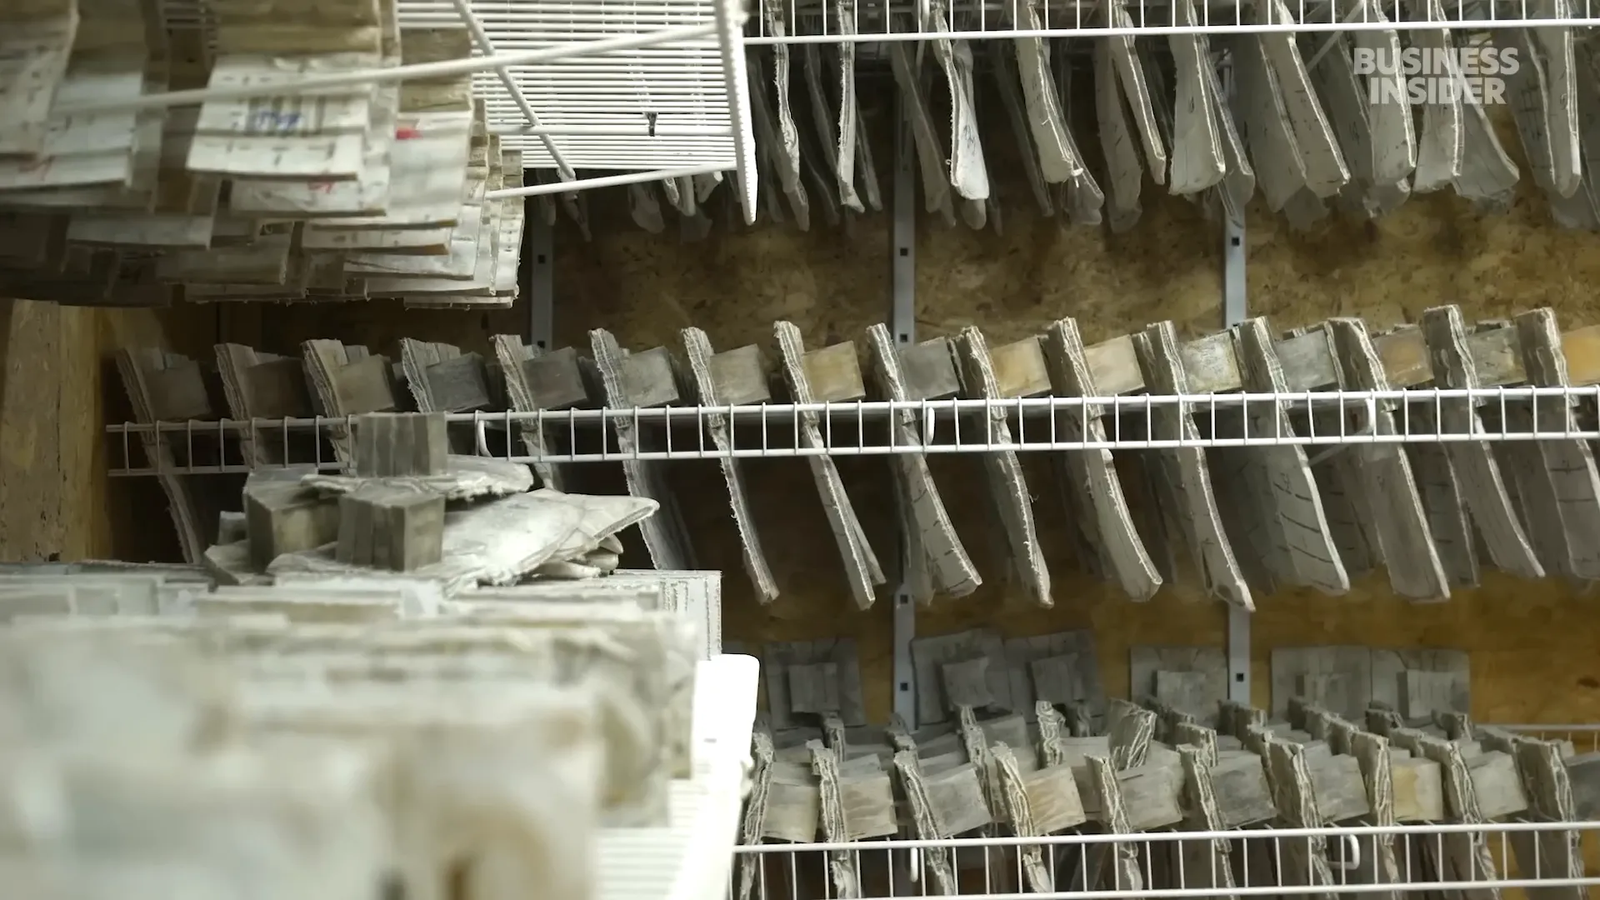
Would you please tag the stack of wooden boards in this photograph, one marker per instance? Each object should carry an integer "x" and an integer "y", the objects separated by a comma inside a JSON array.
[
  {"x": 342, "y": 738},
  {"x": 364, "y": 191},
  {"x": 1251, "y": 518},
  {"x": 1151, "y": 769}
]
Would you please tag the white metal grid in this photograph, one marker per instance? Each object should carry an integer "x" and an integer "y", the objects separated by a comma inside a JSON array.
[
  {"x": 864, "y": 428},
  {"x": 668, "y": 96},
  {"x": 600, "y": 108},
  {"x": 816, "y": 21},
  {"x": 991, "y": 868}
]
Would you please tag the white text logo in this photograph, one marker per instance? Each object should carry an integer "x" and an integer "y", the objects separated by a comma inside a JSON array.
[{"x": 1419, "y": 75}]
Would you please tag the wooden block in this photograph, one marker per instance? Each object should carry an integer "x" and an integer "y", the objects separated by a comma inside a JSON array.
[
  {"x": 1151, "y": 795},
  {"x": 779, "y": 657},
  {"x": 1418, "y": 792},
  {"x": 364, "y": 386},
  {"x": 390, "y": 527},
  {"x": 1053, "y": 799},
  {"x": 459, "y": 384},
  {"x": 231, "y": 527},
  {"x": 1404, "y": 355},
  {"x": 556, "y": 380},
  {"x": 929, "y": 370},
  {"x": 1115, "y": 366},
  {"x": 1211, "y": 364},
  {"x": 1239, "y": 779},
  {"x": 1308, "y": 362},
  {"x": 178, "y": 392},
  {"x": 834, "y": 373},
  {"x": 283, "y": 517},
  {"x": 1496, "y": 355},
  {"x": 1423, "y": 693},
  {"x": 1019, "y": 369},
  {"x": 1583, "y": 772},
  {"x": 277, "y": 389},
  {"x": 1499, "y": 787},
  {"x": 649, "y": 378},
  {"x": 1186, "y": 692},
  {"x": 398, "y": 445},
  {"x": 740, "y": 376},
  {"x": 929, "y": 655},
  {"x": 1336, "y": 783},
  {"x": 1581, "y": 346},
  {"x": 966, "y": 683},
  {"x": 814, "y": 687},
  {"x": 1055, "y": 678}
]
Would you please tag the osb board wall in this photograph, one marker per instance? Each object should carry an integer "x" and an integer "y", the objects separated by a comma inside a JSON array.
[{"x": 58, "y": 386}]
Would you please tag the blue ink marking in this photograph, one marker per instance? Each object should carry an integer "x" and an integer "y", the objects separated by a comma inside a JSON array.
[{"x": 267, "y": 118}]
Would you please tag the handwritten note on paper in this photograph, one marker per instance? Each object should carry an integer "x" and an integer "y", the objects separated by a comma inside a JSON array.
[
  {"x": 33, "y": 60},
  {"x": 367, "y": 195},
  {"x": 319, "y": 135},
  {"x": 427, "y": 173}
]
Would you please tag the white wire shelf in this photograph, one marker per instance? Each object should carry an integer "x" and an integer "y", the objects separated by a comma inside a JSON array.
[
  {"x": 795, "y": 871},
  {"x": 874, "y": 21},
  {"x": 869, "y": 428}
]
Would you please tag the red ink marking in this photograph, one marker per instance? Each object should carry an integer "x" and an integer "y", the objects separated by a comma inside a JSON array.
[
  {"x": 406, "y": 134},
  {"x": 322, "y": 187}
]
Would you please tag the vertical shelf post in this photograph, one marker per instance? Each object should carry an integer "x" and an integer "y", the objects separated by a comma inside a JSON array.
[
  {"x": 538, "y": 272},
  {"x": 1234, "y": 312},
  {"x": 903, "y": 325}
]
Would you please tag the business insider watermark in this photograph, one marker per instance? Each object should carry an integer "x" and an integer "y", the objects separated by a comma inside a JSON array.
[{"x": 1436, "y": 75}]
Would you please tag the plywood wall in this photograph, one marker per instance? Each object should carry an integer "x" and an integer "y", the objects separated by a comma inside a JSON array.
[
  {"x": 1532, "y": 645},
  {"x": 58, "y": 386}
]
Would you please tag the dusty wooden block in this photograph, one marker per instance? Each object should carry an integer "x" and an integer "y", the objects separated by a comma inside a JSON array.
[
  {"x": 1053, "y": 799},
  {"x": 1423, "y": 693},
  {"x": 649, "y": 378},
  {"x": 966, "y": 683},
  {"x": 930, "y": 371},
  {"x": 814, "y": 687},
  {"x": 390, "y": 527},
  {"x": 1211, "y": 364},
  {"x": 1056, "y": 679},
  {"x": 1581, "y": 347},
  {"x": 459, "y": 384},
  {"x": 1583, "y": 771},
  {"x": 1187, "y": 692},
  {"x": 178, "y": 393},
  {"x": 1019, "y": 369},
  {"x": 1240, "y": 782},
  {"x": 1115, "y": 365},
  {"x": 1404, "y": 355},
  {"x": 391, "y": 445},
  {"x": 365, "y": 386},
  {"x": 834, "y": 373},
  {"x": 283, "y": 517},
  {"x": 1308, "y": 361},
  {"x": 1418, "y": 792},
  {"x": 1500, "y": 790},
  {"x": 740, "y": 376},
  {"x": 231, "y": 527},
  {"x": 1151, "y": 794},
  {"x": 556, "y": 380},
  {"x": 277, "y": 389},
  {"x": 1336, "y": 783}
]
